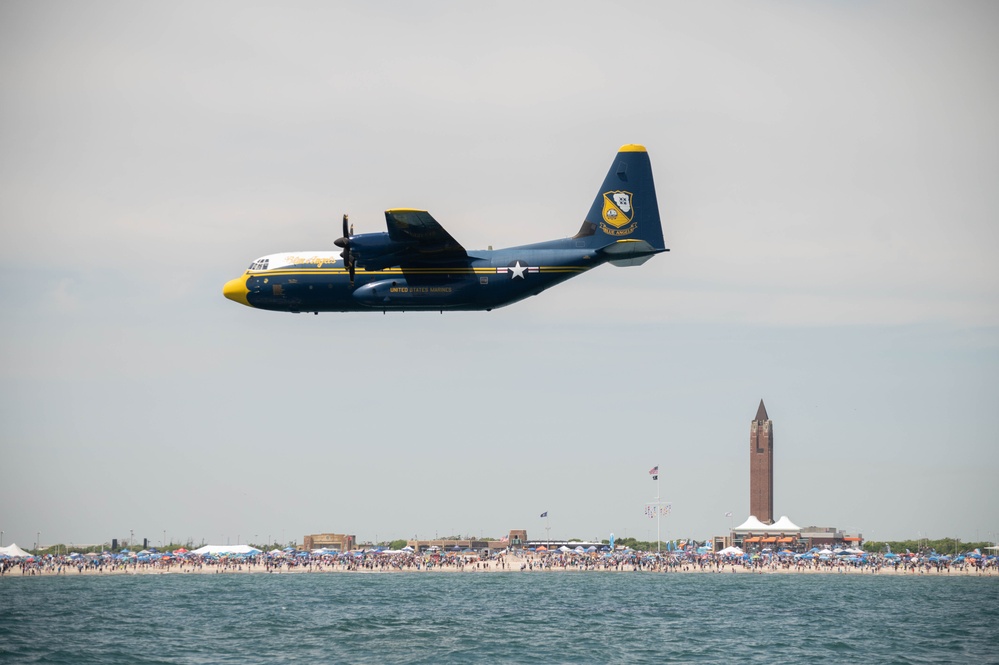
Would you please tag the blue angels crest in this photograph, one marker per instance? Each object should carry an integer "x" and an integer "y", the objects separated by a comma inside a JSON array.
[{"x": 618, "y": 212}]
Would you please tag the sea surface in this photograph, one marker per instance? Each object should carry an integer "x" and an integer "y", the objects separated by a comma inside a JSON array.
[{"x": 545, "y": 617}]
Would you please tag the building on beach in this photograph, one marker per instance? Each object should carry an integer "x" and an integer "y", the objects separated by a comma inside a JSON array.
[
  {"x": 334, "y": 541},
  {"x": 515, "y": 539}
]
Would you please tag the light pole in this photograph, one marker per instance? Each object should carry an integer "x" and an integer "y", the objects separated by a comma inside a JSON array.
[{"x": 38, "y": 540}]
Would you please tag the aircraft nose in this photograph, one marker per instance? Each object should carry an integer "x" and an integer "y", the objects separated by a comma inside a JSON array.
[{"x": 235, "y": 290}]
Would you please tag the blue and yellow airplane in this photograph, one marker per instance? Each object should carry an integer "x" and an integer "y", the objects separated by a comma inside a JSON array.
[{"x": 417, "y": 265}]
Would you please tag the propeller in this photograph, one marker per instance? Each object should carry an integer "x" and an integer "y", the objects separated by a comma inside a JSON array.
[{"x": 346, "y": 254}]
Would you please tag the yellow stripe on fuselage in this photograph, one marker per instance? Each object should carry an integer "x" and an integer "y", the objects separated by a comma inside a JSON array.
[{"x": 411, "y": 271}]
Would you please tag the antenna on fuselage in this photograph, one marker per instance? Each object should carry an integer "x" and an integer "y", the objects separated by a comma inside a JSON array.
[{"x": 346, "y": 254}]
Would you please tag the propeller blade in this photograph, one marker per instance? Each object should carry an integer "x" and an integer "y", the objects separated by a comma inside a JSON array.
[{"x": 346, "y": 229}]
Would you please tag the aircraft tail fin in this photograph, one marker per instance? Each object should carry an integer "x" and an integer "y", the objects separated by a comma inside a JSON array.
[{"x": 623, "y": 221}]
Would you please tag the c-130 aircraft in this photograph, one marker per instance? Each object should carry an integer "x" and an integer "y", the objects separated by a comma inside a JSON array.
[{"x": 417, "y": 265}]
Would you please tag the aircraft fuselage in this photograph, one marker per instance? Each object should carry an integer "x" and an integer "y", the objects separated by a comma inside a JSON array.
[{"x": 317, "y": 281}]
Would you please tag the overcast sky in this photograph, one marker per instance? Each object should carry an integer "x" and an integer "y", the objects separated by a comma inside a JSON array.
[{"x": 827, "y": 176}]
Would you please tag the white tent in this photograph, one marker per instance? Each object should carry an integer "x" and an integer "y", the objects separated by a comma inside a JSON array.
[
  {"x": 728, "y": 551},
  {"x": 784, "y": 525},
  {"x": 753, "y": 525},
  {"x": 226, "y": 549},
  {"x": 14, "y": 552}
]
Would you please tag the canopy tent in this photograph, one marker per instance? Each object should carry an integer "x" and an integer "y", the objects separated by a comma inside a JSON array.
[
  {"x": 752, "y": 525},
  {"x": 14, "y": 552},
  {"x": 729, "y": 551},
  {"x": 784, "y": 525},
  {"x": 226, "y": 549}
]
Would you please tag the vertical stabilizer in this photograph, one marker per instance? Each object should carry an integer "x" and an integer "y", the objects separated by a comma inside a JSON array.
[{"x": 624, "y": 217}]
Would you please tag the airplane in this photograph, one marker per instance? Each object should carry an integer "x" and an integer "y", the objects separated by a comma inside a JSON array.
[{"x": 417, "y": 265}]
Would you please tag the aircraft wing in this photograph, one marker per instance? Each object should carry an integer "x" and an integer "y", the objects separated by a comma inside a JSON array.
[{"x": 429, "y": 240}]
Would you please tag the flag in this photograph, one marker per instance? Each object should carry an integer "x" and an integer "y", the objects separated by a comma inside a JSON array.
[
  {"x": 728, "y": 514},
  {"x": 654, "y": 471},
  {"x": 544, "y": 514}
]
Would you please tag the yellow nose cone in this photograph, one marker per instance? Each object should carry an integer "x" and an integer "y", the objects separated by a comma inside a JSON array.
[{"x": 235, "y": 290}]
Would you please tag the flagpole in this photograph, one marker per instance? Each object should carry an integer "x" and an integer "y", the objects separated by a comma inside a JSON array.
[{"x": 659, "y": 514}]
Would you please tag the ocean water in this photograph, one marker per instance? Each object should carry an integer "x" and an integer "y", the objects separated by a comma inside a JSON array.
[{"x": 551, "y": 617}]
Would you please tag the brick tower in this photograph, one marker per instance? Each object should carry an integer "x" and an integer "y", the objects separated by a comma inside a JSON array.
[{"x": 761, "y": 467}]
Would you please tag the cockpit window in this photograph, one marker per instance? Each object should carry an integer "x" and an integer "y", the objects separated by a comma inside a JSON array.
[{"x": 260, "y": 264}]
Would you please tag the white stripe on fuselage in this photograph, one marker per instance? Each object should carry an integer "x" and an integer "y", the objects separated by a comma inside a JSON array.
[{"x": 287, "y": 260}]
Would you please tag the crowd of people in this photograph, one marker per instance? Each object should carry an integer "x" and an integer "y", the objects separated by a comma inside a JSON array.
[{"x": 382, "y": 560}]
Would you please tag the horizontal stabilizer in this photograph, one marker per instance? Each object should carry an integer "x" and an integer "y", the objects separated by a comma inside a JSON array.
[
  {"x": 624, "y": 253},
  {"x": 625, "y": 263}
]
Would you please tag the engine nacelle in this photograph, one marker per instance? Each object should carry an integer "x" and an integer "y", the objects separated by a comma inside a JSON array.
[{"x": 376, "y": 251}]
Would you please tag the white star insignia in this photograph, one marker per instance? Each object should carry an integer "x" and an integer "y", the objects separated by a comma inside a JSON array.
[{"x": 517, "y": 270}]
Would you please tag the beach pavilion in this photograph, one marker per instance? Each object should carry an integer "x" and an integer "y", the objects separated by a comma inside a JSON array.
[{"x": 754, "y": 533}]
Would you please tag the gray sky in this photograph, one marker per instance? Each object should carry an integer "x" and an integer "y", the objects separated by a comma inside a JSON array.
[{"x": 827, "y": 179}]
